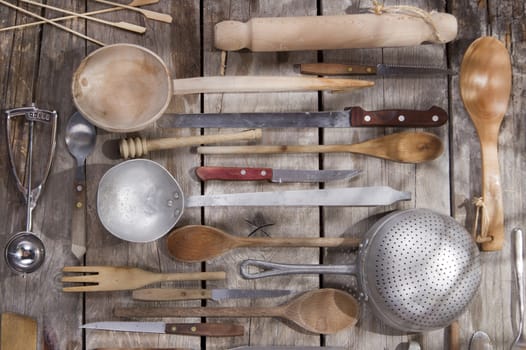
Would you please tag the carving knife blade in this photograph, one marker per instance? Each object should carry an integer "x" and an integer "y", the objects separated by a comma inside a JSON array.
[
  {"x": 165, "y": 294},
  {"x": 206, "y": 173},
  {"x": 379, "y": 69},
  {"x": 349, "y": 196},
  {"x": 349, "y": 117},
  {"x": 197, "y": 329}
]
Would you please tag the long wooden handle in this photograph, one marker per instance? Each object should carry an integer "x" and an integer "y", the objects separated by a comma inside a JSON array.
[
  {"x": 492, "y": 212},
  {"x": 190, "y": 276},
  {"x": 137, "y": 146},
  {"x": 161, "y": 17},
  {"x": 226, "y": 84},
  {"x": 269, "y": 149},
  {"x": 299, "y": 242},
  {"x": 164, "y": 294},
  {"x": 334, "y": 32}
]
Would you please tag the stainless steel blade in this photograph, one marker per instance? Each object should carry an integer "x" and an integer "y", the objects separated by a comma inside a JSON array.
[
  {"x": 126, "y": 326},
  {"x": 353, "y": 196},
  {"x": 334, "y": 119},
  {"x": 287, "y": 175},
  {"x": 387, "y": 69},
  {"x": 220, "y": 294},
  {"x": 277, "y": 347}
]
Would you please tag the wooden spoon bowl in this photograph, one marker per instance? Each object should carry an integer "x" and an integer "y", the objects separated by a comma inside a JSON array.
[{"x": 485, "y": 87}]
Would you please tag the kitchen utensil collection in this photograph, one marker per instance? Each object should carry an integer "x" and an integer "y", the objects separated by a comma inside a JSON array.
[
  {"x": 485, "y": 88},
  {"x": 349, "y": 117},
  {"x": 195, "y": 329},
  {"x": 24, "y": 252},
  {"x": 324, "y": 311},
  {"x": 193, "y": 243},
  {"x": 80, "y": 141},
  {"x": 125, "y": 88},
  {"x": 207, "y": 173},
  {"x": 405, "y": 147},
  {"x": 395, "y": 254},
  {"x": 111, "y": 278},
  {"x": 145, "y": 210},
  {"x": 167, "y": 294},
  {"x": 379, "y": 69},
  {"x": 138, "y": 146}
]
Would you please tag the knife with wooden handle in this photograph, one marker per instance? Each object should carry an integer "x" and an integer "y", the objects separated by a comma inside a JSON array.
[
  {"x": 379, "y": 69},
  {"x": 365, "y": 30}
]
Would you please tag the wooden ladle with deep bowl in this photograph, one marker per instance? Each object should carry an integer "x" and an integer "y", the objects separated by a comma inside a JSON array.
[{"x": 485, "y": 87}]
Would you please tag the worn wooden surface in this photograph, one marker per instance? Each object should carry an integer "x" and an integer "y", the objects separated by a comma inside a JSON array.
[{"x": 36, "y": 65}]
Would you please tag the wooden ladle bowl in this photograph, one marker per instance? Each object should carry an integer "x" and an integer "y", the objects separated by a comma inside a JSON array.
[{"x": 485, "y": 87}]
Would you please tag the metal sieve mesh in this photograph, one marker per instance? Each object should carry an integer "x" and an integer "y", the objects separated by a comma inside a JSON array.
[{"x": 420, "y": 270}]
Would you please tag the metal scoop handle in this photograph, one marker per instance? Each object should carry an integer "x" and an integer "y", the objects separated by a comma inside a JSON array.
[
  {"x": 32, "y": 114},
  {"x": 268, "y": 269}
]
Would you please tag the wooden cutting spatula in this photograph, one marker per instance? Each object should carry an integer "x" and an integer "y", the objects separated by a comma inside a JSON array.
[{"x": 18, "y": 332}]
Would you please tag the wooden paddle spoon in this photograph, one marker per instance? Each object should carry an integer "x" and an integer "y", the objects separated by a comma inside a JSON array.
[
  {"x": 405, "y": 147},
  {"x": 324, "y": 311},
  {"x": 485, "y": 87},
  {"x": 198, "y": 242}
]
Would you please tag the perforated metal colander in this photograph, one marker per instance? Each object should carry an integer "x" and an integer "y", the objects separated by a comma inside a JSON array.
[{"x": 417, "y": 269}]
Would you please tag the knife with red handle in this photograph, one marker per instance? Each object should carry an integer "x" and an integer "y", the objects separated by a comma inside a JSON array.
[{"x": 206, "y": 173}]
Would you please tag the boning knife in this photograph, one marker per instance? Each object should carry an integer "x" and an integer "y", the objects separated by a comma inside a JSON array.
[
  {"x": 164, "y": 294},
  {"x": 379, "y": 69},
  {"x": 206, "y": 173},
  {"x": 197, "y": 329},
  {"x": 349, "y": 117}
]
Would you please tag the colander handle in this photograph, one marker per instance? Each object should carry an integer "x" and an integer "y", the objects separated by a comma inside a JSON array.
[{"x": 268, "y": 269}]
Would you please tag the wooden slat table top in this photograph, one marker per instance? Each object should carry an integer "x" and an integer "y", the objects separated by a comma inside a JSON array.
[{"x": 37, "y": 64}]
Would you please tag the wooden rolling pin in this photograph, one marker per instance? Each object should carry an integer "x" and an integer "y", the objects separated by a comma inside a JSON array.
[
  {"x": 334, "y": 32},
  {"x": 138, "y": 146}
]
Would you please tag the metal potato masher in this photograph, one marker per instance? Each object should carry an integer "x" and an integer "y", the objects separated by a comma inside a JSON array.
[{"x": 24, "y": 252}]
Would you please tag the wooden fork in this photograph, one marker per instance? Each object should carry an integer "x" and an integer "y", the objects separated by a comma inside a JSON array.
[{"x": 108, "y": 278}]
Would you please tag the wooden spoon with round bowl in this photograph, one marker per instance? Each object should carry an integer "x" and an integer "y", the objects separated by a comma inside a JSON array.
[
  {"x": 485, "y": 87},
  {"x": 193, "y": 243}
]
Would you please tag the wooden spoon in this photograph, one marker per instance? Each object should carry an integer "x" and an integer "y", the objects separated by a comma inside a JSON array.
[
  {"x": 485, "y": 87},
  {"x": 405, "y": 147},
  {"x": 198, "y": 242},
  {"x": 324, "y": 311}
]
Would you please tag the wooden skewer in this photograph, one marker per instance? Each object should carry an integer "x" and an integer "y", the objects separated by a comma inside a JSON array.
[
  {"x": 71, "y": 31},
  {"x": 148, "y": 14},
  {"x": 91, "y": 13},
  {"x": 122, "y": 25}
]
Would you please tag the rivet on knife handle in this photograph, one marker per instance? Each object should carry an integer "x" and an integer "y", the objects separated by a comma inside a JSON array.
[
  {"x": 205, "y": 329},
  {"x": 434, "y": 116}
]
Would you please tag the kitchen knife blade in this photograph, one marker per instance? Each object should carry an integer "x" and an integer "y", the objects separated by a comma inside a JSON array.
[
  {"x": 349, "y": 117},
  {"x": 197, "y": 329},
  {"x": 164, "y": 294},
  {"x": 206, "y": 173},
  {"x": 277, "y": 347},
  {"x": 379, "y": 69},
  {"x": 349, "y": 196}
]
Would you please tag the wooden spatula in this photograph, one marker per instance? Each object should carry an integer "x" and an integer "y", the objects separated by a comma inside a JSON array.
[{"x": 18, "y": 332}]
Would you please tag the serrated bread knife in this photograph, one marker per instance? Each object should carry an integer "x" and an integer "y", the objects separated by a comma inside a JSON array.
[{"x": 349, "y": 117}]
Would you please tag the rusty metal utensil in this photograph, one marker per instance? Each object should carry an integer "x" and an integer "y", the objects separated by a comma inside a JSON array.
[{"x": 24, "y": 252}]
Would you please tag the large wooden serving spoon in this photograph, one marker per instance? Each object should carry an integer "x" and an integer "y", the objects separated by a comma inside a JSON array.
[
  {"x": 199, "y": 242},
  {"x": 405, "y": 147},
  {"x": 324, "y": 311},
  {"x": 485, "y": 87}
]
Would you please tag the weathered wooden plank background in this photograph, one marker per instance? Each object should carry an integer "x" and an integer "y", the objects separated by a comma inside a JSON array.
[{"x": 37, "y": 64}]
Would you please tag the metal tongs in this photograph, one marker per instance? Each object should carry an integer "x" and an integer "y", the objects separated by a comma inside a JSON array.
[{"x": 24, "y": 252}]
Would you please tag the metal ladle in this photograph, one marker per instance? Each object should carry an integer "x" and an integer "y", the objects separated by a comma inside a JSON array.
[{"x": 24, "y": 252}]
